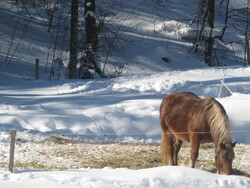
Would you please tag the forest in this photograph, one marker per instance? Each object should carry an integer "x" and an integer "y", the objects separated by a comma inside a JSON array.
[{"x": 85, "y": 39}]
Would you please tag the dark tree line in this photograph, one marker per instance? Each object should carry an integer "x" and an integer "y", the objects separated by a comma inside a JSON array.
[
  {"x": 73, "y": 27},
  {"x": 79, "y": 33},
  {"x": 91, "y": 42}
]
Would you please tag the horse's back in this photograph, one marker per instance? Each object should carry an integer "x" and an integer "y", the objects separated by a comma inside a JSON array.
[
  {"x": 175, "y": 100},
  {"x": 187, "y": 113},
  {"x": 177, "y": 112}
]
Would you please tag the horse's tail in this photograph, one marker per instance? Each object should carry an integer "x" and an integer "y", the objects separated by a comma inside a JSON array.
[
  {"x": 163, "y": 150},
  {"x": 163, "y": 146}
]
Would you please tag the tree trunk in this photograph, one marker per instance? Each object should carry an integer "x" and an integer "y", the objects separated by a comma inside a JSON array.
[
  {"x": 90, "y": 24},
  {"x": 210, "y": 39},
  {"x": 247, "y": 52},
  {"x": 247, "y": 41},
  {"x": 73, "y": 40},
  {"x": 91, "y": 36},
  {"x": 210, "y": 14}
]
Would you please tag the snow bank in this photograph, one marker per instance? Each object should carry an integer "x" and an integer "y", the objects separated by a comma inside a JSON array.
[{"x": 107, "y": 177}]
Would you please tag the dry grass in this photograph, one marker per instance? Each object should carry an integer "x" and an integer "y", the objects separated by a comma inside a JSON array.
[
  {"x": 56, "y": 153},
  {"x": 132, "y": 156}
]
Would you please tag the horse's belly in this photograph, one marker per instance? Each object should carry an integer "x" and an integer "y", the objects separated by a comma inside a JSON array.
[
  {"x": 206, "y": 140},
  {"x": 186, "y": 138},
  {"x": 183, "y": 137}
]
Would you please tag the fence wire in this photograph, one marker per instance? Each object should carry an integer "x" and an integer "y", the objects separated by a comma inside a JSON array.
[{"x": 154, "y": 134}]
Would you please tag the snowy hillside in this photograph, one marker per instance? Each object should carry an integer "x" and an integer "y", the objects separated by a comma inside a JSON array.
[
  {"x": 123, "y": 109},
  {"x": 117, "y": 108}
]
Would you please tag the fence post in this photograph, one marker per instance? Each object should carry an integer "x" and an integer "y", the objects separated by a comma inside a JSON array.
[
  {"x": 12, "y": 149},
  {"x": 37, "y": 69}
]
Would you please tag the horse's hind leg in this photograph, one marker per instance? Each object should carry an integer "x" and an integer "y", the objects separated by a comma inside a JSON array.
[
  {"x": 167, "y": 149},
  {"x": 177, "y": 147}
]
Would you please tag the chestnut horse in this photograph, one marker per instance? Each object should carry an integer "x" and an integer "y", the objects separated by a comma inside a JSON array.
[{"x": 186, "y": 117}]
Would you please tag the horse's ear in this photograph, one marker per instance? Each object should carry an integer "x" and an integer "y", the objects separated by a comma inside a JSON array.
[
  {"x": 222, "y": 145},
  {"x": 233, "y": 144}
]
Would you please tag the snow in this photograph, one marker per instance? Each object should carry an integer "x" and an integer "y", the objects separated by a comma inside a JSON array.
[
  {"x": 124, "y": 109},
  {"x": 108, "y": 177},
  {"x": 120, "y": 106}
]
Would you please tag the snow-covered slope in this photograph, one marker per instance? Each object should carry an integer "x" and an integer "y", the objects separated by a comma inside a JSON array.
[{"x": 117, "y": 107}]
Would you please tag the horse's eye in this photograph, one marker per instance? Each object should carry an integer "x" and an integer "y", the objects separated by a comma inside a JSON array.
[{"x": 229, "y": 156}]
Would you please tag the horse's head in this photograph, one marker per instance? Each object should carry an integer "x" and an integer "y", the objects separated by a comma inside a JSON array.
[{"x": 224, "y": 158}]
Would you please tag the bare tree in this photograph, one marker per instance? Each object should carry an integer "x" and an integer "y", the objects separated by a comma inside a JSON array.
[
  {"x": 90, "y": 25},
  {"x": 91, "y": 38},
  {"x": 239, "y": 22},
  {"x": 209, "y": 38},
  {"x": 206, "y": 36},
  {"x": 246, "y": 34},
  {"x": 73, "y": 40}
]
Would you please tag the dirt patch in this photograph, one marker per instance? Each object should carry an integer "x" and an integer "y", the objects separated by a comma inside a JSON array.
[{"x": 60, "y": 154}]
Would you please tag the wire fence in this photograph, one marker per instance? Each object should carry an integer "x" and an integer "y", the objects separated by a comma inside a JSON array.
[
  {"x": 13, "y": 138},
  {"x": 138, "y": 134},
  {"x": 117, "y": 134}
]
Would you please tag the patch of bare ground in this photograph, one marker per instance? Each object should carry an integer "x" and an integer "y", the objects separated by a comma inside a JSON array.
[{"x": 56, "y": 153}]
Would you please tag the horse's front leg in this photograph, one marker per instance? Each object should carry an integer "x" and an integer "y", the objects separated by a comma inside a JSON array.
[{"x": 195, "y": 145}]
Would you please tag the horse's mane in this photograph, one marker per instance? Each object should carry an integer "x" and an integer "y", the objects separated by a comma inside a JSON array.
[{"x": 219, "y": 121}]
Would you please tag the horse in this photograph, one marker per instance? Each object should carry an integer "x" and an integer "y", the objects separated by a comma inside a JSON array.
[{"x": 185, "y": 117}]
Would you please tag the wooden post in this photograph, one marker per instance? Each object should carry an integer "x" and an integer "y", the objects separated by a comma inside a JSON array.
[
  {"x": 12, "y": 150},
  {"x": 37, "y": 70}
]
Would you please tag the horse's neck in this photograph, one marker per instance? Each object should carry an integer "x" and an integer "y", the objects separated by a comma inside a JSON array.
[
  {"x": 222, "y": 137},
  {"x": 220, "y": 127}
]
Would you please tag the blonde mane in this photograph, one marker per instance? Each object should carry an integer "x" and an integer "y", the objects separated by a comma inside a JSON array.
[{"x": 219, "y": 121}]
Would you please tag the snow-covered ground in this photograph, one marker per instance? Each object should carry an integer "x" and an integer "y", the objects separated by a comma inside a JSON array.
[
  {"x": 160, "y": 177},
  {"x": 120, "y": 109},
  {"x": 124, "y": 109}
]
